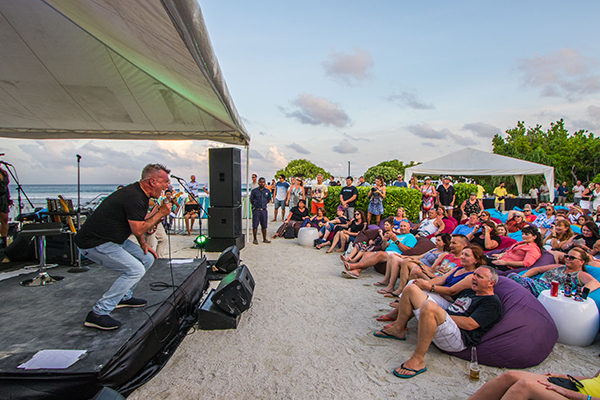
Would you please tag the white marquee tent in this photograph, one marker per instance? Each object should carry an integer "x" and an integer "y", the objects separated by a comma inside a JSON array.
[{"x": 470, "y": 162}]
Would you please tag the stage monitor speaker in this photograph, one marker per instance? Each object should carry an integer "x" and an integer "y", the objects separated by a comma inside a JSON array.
[
  {"x": 225, "y": 177},
  {"x": 229, "y": 260},
  {"x": 234, "y": 293},
  {"x": 61, "y": 249},
  {"x": 108, "y": 394},
  {"x": 225, "y": 222}
]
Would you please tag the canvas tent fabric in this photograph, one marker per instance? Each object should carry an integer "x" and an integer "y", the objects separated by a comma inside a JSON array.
[
  {"x": 112, "y": 69},
  {"x": 470, "y": 162}
]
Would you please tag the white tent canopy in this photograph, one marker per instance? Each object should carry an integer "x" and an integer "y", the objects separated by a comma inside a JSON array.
[
  {"x": 111, "y": 69},
  {"x": 470, "y": 162}
]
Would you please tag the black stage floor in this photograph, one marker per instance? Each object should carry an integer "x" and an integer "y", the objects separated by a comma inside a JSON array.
[{"x": 51, "y": 317}]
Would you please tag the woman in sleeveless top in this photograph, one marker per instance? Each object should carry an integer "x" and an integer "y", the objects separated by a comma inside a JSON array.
[{"x": 428, "y": 193}]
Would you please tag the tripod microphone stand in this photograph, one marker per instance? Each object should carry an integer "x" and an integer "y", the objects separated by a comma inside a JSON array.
[{"x": 78, "y": 268}]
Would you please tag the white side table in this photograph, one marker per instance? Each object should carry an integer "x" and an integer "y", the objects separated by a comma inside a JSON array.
[
  {"x": 307, "y": 236},
  {"x": 577, "y": 322}
]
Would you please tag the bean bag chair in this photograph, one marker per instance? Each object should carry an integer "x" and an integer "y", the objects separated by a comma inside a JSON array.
[
  {"x": 517, "y": 236},
  {"x": 523, "y": 338},
  {"x": 595, "y": 295},
  {"x": 546, "y": 259},
  {"x": 423, "y": 246},
  {"x": 497, "y": 216},
  {"x": 505, "y": 242}
]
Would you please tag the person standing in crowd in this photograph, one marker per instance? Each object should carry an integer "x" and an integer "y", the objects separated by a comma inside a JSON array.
[
  {"x": 399, "y": 182},
  {"x": 319, "y": 193},
  {"x": 193, "y": 186},
  {"x": 562, "y": 194},
  {"x": 103, "y": 239},
  {"x": 332, "y": 182},
  {"x": 480, "y": 191},
  {"x": 446, "y": 195},
  {"x": 534, "y": 193},
  {"x": 361, "y": 182},
  {"x": 348, "y": 196},
  {"x": 578, "y": 190},
  {"x": 5, "y": 203},
  {"x": 260, "y": 198},
  {"x": 544, "y": 193},
  {"x": 500, "y": 192},
  {"x": 376, "y": 196},
  {"x": 280, "y": 195},
  {"x": 254, "y": 183}
]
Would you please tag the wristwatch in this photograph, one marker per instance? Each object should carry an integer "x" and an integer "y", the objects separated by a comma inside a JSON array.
[
  {"x": 432, "y": 288},
  {"x": 397, "y": 242}
]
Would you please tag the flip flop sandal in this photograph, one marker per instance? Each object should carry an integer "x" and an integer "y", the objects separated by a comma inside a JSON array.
[
  {"x": 383, "y": 335},
  {"x": 399, "y": 375},
  {"x": 350, "y": 275}
]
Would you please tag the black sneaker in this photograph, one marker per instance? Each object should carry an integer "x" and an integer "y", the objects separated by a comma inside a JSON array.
[
  {"x": 104, "y": 322},
  {"x": 132, "y": 303}
]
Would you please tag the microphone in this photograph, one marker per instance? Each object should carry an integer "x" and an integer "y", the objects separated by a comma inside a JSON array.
[
  {"x": 78, "y": 156},
  {"x": 1, "y": 154},
  {"x": 176, "y": 177}
]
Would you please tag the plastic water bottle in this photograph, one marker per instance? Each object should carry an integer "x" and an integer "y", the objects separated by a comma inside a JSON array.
[{"x": 474, "y": 366}]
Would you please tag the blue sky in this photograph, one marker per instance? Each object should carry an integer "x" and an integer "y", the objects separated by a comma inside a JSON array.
[{"x": 366, "y": 82}]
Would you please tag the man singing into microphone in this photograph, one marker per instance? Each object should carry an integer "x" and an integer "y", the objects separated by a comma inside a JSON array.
[{"x": 103, "y": 239}]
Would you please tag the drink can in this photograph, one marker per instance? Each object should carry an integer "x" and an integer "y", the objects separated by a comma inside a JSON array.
[
  {"x": 554, "y": 289},
  {"x": 568, "y": 291}
]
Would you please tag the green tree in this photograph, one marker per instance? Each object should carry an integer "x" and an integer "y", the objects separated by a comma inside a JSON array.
[
  {"x": 302, "y": 168},
  {"x": 389, "y": 170}
]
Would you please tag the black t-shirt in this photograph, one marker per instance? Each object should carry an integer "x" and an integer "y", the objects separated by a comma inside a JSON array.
[
  {"x": 485, "y": 310},
  {"x": 347, "y": 192},
  {"x": 355, "y": 228},
  {"x": 446, "y": 195},
  {"x": 589, "y": 241},
  {"x": 479, "y": 241},
  {"x": 298, "y": 215},
  {"x": 110, "y": 221}
]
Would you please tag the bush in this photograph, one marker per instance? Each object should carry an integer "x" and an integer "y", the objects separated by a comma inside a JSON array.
[
  {"x": 388, "y": 174},
  {"x": 463, "y": 191},
  {"x": 395, "y": 197}
]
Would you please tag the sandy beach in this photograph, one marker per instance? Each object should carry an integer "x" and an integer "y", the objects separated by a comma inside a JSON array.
[{"x": 309, "y": 334}]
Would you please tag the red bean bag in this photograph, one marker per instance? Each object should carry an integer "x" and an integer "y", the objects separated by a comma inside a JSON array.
[{"x": 525, "y": 335}]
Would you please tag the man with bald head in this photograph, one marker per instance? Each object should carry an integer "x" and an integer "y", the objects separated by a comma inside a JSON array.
[
  {"x": 396, "y": 244},
  {"x": 103, "y": 239}
]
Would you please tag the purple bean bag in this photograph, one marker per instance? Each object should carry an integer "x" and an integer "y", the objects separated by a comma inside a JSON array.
[
  {"x": 546, "y": 259},
  {"x": 523, "y": 338}
]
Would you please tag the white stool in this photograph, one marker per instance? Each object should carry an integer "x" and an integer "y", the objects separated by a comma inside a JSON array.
[
  {"x": 307, "y": 236},
  {"x": 577, "y": 322}
]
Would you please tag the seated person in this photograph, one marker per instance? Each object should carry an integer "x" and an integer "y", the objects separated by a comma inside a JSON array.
[
  {"x": 588, "y": 237},
  {"x": 443, "y": 289},
  {"x": 396, "y": 244},
  {"x": 338, "y": 223},
  {"x": 361, "y": 248},
  {"x": 538, "y": 279},
  {"x": 502, "y": 230},
  {"x": 545, "y": 220},
  {"x": 516, "y": 221},
  {"x": 521, "y": 254},
  {"x": 472, "y": 205},
  {"x": 429, "y": 225},
  {"x": 444, "y": 263},
  {"x": 528, "y": 213},
  {"x": 400, "y": 216},
  {"x": 560, "y": 240},
  {"x": 174, "y": 205},
  {"x": 471, "y": 226},
  {"x": 474, "y": 313},
  {"x": 574, "y": 213},
  {"x": 487, "y": 238},
  {"x": 356, "y": 225},
  {"x": 401, "y": 265},
  {"x": 191, "y": 211},
  {"x": 319, "y": 220},
  {"x": 527, "y": 385},
  {"x": 295, "y": 218}
]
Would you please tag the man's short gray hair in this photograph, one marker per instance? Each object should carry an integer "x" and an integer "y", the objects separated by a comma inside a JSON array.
[
  {"x": 152, "y": 169},
  {"x": 493, "y": 272}
]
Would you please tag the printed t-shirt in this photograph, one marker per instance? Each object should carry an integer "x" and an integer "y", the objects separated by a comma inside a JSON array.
[
  {"x": 282, "y": 188},
  {"x": 449, "y": 262},
  {"x": 347, "y": 192},
  {"x": 319, "y": 192},
  {"x": 485, "y": 310}
]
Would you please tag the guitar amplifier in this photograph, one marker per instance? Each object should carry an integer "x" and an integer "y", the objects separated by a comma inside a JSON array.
[{"x": 61, "y": 249}]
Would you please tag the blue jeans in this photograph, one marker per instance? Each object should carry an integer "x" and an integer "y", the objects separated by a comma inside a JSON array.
[{"x": 127, "y": 259}]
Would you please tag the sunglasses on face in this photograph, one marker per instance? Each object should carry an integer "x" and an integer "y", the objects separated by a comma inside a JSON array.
[{"x": 571, "y": 258}]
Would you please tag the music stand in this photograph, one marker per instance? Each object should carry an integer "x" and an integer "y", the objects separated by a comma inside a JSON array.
[{"x": 40, "y": 231}]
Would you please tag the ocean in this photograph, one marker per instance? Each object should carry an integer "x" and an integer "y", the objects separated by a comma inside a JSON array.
[{"x": 91, "y": 195}]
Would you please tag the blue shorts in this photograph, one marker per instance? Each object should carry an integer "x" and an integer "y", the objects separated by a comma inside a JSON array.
[
  {"x": 259, "y": 217},
  {"x": 279, "y": 203}
]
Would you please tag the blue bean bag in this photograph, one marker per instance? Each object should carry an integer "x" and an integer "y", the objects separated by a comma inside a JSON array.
[
  {"x": 595, "y": 272},
  {"x": 523, "y": 338}
]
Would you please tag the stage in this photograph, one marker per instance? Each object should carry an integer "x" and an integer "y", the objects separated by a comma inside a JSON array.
[{"x": 51, "y": 317}]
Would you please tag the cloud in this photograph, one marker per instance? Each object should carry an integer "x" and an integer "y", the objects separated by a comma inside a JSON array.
[
  {"x": 348, "y": 136},
  {"x": 411, "y": 100},
  {"x": 277, "y": 157},
  {"x": 594, "y": 112},
  {"x": 565, "y": 73},
  {"x": 261, "y": 133},
  {"x": 317, "y": 111},
  {"x": 482, "y": 129},
  {"x": 345, "y": 148},
  {"x": 256, "y": 154},
  {"x": 297, "y": 148},
  {"x": 427, "y": 132},
  {"x": 349, "y": 68},
  {"x": 429, "y": 144}
]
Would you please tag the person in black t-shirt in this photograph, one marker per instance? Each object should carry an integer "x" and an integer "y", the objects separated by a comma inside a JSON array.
[
  {"x": 348, "y": 196},
  {"x": 474, "y": 312},
  {"x": 103, "y": 239}
]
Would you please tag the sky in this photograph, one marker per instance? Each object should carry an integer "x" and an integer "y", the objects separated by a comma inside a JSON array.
[{"x": 363, "y": 82}]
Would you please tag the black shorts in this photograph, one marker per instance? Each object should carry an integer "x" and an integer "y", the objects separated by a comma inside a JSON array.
[
  {"x": 191, "y": 207},
  {"x": 4, "y": 203}
]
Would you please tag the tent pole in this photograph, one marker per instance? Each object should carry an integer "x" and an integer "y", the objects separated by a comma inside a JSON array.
[{"x": 247, "y": 202}]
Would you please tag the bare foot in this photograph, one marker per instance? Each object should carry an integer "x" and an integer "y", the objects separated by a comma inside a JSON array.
[
  {"x": 273, "y": 220},
  {"x": 343, "y": 258},
  {"x": 340, "y": 251}
]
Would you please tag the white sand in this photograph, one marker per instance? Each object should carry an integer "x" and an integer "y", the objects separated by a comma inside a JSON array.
[{"x": 309, "y": 334}]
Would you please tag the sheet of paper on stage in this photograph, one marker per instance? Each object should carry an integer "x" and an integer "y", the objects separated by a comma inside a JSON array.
[
  {"x": 182, "y": 261},
  {"x": 53, "y": 359}
]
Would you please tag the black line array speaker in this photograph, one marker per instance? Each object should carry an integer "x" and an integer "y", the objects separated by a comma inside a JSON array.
[
  {"x": 225, "y": 177},
  {"x": 234, "y": 293},
  {"x": 225, "y": 222}
]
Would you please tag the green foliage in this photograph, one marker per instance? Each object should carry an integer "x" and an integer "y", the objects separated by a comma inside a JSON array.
[
  {"x": 463, "y": 191},
  {"x": 410, "y": 199},
  {"x": 574, "y": 156},
  {"x": 389, "y": 170},
  {"x": 302, "y": 168}
]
